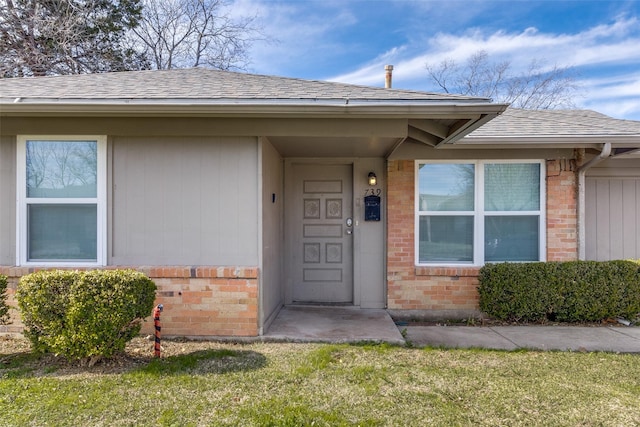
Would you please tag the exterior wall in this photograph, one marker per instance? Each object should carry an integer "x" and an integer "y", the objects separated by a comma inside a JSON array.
[
  {"x": 188, "y": 201},
  {"x": 7, "y": 198},
  {"x": 369, "y": 241},
  {"x": 562, "y": 210},
  {"x": 442, "y": 292},
  {"x": 198, "y": 302},
  {"x": 271, "y": 283},
  {"x": 612, "y": 210},
  {"x": 183, "y": 201}
]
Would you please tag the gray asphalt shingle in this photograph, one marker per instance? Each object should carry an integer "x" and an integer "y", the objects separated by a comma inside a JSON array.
[
  {"x": 201, "y": 84},
  {"x": 516, "y": 122}
]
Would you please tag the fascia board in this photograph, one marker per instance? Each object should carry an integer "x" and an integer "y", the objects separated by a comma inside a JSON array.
[
  {"x": 585, "y": 140},
  {"x": 429, "y": 109}
]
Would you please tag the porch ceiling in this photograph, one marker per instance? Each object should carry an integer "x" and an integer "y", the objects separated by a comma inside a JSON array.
[
  {"x": 368, "y": 143},
  {"x": 310, "y": 146}
]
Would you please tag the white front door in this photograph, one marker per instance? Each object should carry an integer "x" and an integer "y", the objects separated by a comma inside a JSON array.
[{"x": 319, "y": 225}]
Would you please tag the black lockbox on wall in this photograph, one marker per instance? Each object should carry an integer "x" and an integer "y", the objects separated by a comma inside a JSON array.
[{"x": 372, "y": 208}]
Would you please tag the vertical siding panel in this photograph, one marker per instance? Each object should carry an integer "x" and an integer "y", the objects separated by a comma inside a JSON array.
[
  {"x": 248, "y": 199},
  {"x": 189, "y": 202},
  {"x": 616, "y": 224},
  {"x": 591, "y": 219},
  {"x": 636, "y": 255},
  {"x": 155, "y": 187},
  {"x": 231, "y": 170},
  {"x": 209, "y": 191},
  {"x": 170, "y": 231},
  {"x": 602, "y": 214},
  {"x": 185, "y": 201},
  {"x": 7, "y": 196},
  {"x": 630, "y": 218}
]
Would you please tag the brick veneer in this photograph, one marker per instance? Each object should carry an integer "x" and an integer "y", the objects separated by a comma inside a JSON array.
[
  {"x": 198, "y": 301},
  {"x": 455, "y": 289},
  {"x": 562, "y": 213}
]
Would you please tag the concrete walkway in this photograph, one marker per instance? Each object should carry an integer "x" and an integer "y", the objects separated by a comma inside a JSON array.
[
  {"x": 565, "y": 338},
  {"x": 333, "y": 324},
  {"x": 350, "y": 324}
]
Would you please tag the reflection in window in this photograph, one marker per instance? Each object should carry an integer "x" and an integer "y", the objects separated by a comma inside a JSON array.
[
  {"x": 61, "y": 169},
  {"x": 61, "y": 203},
  {"x": 503, "y": 223},
  {"x": 446, "y": 187}
]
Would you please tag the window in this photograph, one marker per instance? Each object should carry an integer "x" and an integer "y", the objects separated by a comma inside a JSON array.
[
  {"x": 479, "y": 211},
  {"x": 61, "y": 200}
]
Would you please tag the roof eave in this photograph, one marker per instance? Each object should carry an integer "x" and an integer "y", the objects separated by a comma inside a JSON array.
[
  {"x": 436, "y": 109},
  {"x": 580, "y": 141}
]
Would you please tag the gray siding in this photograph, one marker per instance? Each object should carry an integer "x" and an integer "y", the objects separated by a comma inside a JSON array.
[
  {"x": 612, "y": 214},
  {"x": 7, "y": 200},
  {"x": 183, "y": 201},
  {"x": 369, "y": 242},
  {"x": 272, "y": 283}
]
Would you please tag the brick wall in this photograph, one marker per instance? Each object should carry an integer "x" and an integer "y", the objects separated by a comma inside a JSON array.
[
  {"x": 455, "y": 289},
  {"x": 562, "y": 213},
  {"x": 198, "y": 301}
]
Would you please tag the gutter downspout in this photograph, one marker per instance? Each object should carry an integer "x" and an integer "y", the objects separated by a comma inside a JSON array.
[{"x": 582, "y": 170}]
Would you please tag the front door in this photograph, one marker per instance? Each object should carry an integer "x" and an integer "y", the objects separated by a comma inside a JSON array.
[{"x": 320, "y": 226}]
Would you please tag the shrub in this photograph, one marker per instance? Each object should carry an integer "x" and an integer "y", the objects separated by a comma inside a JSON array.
[
  {"x": 4, "y": 308},
  {"x": 83, "y": 315},
  {"x": 572, "y": 291}
]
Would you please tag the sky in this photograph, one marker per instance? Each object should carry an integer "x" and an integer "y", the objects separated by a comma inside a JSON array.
[{"x": 350, "y": 41}]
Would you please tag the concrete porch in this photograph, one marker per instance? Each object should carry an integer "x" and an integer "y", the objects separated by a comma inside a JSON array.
[{"x": 333, "y": 324}]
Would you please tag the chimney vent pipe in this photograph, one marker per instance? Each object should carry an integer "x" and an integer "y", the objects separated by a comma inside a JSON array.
[{"x": 388, "y": 75}]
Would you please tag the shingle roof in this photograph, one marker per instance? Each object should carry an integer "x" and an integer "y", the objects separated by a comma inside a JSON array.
[
  {"x": 202, "y": 84},
  {"x": 518, "y": 123}
]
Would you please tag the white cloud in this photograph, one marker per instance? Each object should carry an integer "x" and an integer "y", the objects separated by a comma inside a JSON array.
[
  {"x": 616, "y": 96},
  {"x": 313, "y": 40},
  {"x": 604, "y": 45},
  {"x": 296, "y": 34}
]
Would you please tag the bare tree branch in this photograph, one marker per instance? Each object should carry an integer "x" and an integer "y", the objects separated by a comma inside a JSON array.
[
  {"x": 66, "y": 36},
  {"x": 191, "y": 33},
  {"x": 534, "y": 88}
]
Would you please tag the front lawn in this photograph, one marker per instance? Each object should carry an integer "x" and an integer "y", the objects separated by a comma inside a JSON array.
[{"x": 261, "y": 384}]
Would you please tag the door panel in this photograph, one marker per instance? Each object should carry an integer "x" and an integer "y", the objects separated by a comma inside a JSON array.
[
  {"x": 321, "y": 242},
  {"x": 612, "y": 218}
]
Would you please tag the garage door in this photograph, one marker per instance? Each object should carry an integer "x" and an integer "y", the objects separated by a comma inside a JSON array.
[{"x": 612, "y": 217}]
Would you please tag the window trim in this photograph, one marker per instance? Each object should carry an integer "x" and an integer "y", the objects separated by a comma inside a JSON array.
[
  {"x": 100, "y": 201},
  {"x": 478, "y": 213}
]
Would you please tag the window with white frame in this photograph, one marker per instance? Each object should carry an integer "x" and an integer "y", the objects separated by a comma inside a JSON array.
[
  {"x": 472, "y": 212},
  {"x": 61, "y": 200}
]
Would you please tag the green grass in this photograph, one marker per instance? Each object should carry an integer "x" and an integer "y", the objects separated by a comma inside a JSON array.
[{"x": 267, "y": 384}]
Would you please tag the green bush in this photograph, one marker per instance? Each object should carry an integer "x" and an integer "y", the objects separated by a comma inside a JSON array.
[
  {"x": 82, "y": 315},
  {"x": 574, "y": 291},
  {"x": 4, "y": 308}
]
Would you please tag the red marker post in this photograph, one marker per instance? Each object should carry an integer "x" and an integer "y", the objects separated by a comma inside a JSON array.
[{"x": 156, "y": 324}]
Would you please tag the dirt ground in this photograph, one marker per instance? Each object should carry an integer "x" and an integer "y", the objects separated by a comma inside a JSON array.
[{"x": 138, "y": 352}]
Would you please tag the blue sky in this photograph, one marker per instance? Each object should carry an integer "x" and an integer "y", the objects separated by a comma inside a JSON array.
[{"x": 350, "y": 41}]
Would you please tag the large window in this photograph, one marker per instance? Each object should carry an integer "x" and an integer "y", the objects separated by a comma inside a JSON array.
[
  {"x": 479, "y": 211},
  {"x": 61, "y": 191}
]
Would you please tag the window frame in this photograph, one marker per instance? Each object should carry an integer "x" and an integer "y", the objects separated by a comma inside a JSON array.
[
  {"x": 478, "y": 212},
  {"x": 100, "y": 201}
]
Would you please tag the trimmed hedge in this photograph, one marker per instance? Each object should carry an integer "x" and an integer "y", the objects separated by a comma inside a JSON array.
[
  {"x": 574, "y": 291},
  {"x": 84, "y": 314},
  {"x": 4, "y": 308}
]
